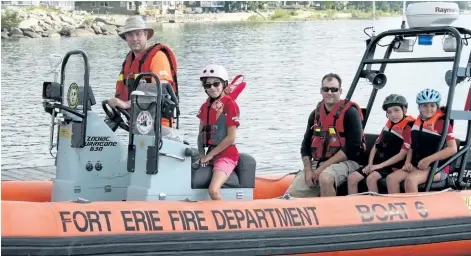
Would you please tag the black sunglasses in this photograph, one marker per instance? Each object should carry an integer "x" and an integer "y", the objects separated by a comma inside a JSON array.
[
  {"x": 332, "y": 89},
  {"x": 208, "y": 85}
]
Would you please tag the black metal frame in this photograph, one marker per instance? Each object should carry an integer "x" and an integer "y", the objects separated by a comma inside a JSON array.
[
  {"x": 399, "y": 34},
  {"x": 157, "y": 119},
  {"x": 86, "y": 93}
]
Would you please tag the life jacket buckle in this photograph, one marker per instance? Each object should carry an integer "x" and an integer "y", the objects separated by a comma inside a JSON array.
[
  {"x": 129, "y": 82},
  {"x": 207, "y": 128},
  {"x": 332, "y": 130}
]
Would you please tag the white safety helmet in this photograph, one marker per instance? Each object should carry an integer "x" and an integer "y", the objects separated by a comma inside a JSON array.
[{"x": 214, "y": 70}]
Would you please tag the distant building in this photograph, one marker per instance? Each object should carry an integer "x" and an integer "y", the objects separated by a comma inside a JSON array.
[
  {"x": 69, "y": 5},
  {"x": 128, "y": 7},
  {"x": 212, "y": 6},
  {"x": 20, "y": 3},
  {"x": 192, "y": 4},
  {"x": 113, "y": 7},
  {"x": 165, "y": 6}
]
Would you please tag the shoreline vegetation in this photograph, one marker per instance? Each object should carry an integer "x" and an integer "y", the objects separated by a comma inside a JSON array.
[{"x": 43, "y": 21}]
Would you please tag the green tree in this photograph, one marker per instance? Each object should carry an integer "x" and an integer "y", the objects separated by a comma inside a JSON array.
[
  {"x": 382, "y": 6},
  {"x": 395, "y": 6},
  {"x": 463, "y": 5},
  {"x": 10, "y": 19},
  {"x": 255, "y": 5},
  {"x": 329, "y": 4},
  {"x": 360, "y": 5}
]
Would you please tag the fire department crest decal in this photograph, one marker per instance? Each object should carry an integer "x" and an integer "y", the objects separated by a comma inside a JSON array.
[
  {"x": 144, "y": 122},
  {"x": 73, "y": 95}
]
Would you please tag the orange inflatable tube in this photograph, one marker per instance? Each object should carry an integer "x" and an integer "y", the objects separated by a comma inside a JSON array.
[
  {"x": 426, "y": 223},
  {"x": 266, "y": 187},
  {"x": 27, "y": 191}
]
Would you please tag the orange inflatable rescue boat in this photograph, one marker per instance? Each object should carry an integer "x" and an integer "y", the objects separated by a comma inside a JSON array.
[{"x": 149, "y": 195}]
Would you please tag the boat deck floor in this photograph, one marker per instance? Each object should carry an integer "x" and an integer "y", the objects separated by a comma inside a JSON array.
[{"x": 29, "y": 173}]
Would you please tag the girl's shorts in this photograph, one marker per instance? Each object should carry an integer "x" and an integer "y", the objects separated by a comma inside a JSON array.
[{"x": 225, "y": 165}]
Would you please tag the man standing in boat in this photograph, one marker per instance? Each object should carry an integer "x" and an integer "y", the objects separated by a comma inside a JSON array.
[
  {"x": 332, "y": 144},
  {"x": 143, "y": 57}
]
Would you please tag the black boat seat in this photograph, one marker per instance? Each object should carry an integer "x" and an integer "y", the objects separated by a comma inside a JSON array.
[
  {"x": 242, "y": 177},
  {"x": 438, "y": 185}
]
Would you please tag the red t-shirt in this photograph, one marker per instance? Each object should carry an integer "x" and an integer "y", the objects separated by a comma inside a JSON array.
[
  {"x": 231, "y": 110},
  {"x": 407, "y": 138},
  {"x": 439, "y": 129}
]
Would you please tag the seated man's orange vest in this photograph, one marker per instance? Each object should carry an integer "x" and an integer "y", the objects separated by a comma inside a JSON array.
[{"x": 132, "y": 67}]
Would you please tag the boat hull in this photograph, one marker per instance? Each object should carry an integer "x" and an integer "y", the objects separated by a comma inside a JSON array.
[{"x": 412, "y": 224}]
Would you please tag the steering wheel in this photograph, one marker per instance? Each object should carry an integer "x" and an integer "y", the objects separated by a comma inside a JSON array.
[{"x": 115, "y": 115}]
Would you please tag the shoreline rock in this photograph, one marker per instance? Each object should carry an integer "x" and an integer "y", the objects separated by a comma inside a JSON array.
[
  {"x": 38, "y": 23},
  {"x": 41, "y": 23}
]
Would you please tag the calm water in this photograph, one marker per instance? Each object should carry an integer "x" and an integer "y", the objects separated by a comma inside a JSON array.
[{"x": 282, "y": 63}]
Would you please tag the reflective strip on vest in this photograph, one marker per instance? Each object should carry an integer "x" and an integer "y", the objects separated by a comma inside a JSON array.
[
  {"x": 397, "y": 134},
  {"x": 417, "y": 128}
]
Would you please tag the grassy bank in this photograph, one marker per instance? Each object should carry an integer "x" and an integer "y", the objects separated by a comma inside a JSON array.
[{"x": 301, "y": 15}]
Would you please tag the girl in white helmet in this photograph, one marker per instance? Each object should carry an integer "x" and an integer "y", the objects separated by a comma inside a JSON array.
[
  {"x": 425, "y": 140},
  {"x": 219, "y": 118}
]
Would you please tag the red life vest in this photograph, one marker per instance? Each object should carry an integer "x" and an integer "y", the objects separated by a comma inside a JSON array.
[
  {"x": 132, "y": 67},
  {"x": 215, "y": 125},
  {"x": 425, "y": 137},
  {"x": 392, "y": 140},
  {"x": 328, "y": 131}
]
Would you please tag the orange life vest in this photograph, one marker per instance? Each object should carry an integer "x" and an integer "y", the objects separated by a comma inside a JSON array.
[
  {"x": 329, "y": 134},
  {"x": 391, "y": 142},
  {"x": 133, "y": 66},
  {"x": 425, "y": 138}
]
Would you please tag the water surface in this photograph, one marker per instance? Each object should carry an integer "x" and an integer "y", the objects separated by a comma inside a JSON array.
[{"x": 283, "y": 64}]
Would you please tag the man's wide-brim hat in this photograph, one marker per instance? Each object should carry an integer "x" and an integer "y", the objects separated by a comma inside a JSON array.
[{"x": 136, "y": 23}]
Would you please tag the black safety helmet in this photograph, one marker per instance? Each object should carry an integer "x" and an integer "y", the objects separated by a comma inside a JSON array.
[{"x": 394, "y": 100}]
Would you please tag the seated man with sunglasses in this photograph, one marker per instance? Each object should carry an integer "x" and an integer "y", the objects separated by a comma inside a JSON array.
[{"x": 332, "y": 144}]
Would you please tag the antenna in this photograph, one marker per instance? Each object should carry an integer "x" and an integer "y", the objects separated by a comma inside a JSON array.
[
  {"x": 403, "y": 23},
  {"x": 374, "y": 17},
  {"x": 54, "y": 61}
]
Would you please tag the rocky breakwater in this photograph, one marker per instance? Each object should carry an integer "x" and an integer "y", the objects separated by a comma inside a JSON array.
[{"x": 38, "y": 23}]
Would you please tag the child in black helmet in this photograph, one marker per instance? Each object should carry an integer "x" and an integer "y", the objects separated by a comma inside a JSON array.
[{"x": 390, "y": 149}]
